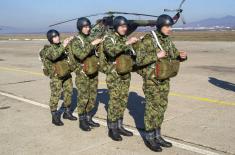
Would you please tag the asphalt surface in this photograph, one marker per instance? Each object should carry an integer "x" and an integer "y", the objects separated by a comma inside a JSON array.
[{"x": 199, "y": 118}]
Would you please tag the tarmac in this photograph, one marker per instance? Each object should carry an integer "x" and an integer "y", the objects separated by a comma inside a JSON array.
[{"x": 199, "y": 118}]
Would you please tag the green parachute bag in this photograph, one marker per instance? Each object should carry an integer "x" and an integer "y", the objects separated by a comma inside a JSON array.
[
  {"x": 124, "y": 64},
  {"x": 61, "y": 68},
  {"x": 163, "y": 69},
  {"x": 166, "y": 68},
  {"x": 90, "y": 65},
  {"x": 47, "y": 65}
]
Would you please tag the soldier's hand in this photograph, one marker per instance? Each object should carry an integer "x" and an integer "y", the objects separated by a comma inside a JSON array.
[
  {"x": 70, "y": 38},
  {"x": 132, "y": 40},
  {"x": 66, "y": 42},
  {"x": 183, "y": 54},
  {"x": 96, "y": 41},
  {"x": 161, "y": 54}
]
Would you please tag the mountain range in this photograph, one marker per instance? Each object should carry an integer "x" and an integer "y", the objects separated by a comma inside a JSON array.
[{"x": 227, "y": 22}]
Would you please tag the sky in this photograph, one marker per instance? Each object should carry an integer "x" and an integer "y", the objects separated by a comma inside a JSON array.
[{"x": 38, "y": 14}]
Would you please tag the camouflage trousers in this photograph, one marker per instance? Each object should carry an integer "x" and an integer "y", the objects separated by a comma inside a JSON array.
[
  {"x": 156, "y": 96},
  {"x": 57, "y": 86},
  {"x": 118, "y": 93},
  {"x": 87, "y": 92}
]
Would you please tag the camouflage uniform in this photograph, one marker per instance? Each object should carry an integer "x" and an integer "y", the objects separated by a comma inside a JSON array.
[
  {"x": 117, "y": 84},
  {"x": 87, "y": 85},
  {"x": 98, "y": 31},
  {"x": 56, "y": 53},
  {"x": 156, "y": 93}
]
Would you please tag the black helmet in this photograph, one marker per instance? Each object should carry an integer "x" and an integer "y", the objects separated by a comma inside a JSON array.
[
  {"x": 83, "y": 21},
  {"x": 119, "y": 21},
  {"x": 51, "y": 34},
  {"x": 164, "y": 20}
]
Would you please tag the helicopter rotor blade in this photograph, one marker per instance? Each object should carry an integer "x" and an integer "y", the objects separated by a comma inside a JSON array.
[
  {"x": 63, "y": 22},
  {"x": 97, "y": 14},
  {"x": 181, "y": 4},
  {"x": 70, "y": 20},
  {"x": 127, "y": 13},
  {"x": 170, "y": 10},
  {"x": 110, "y": 13},
  {"x": 183, "y": 19},
  {"x": 176, "y": 10}
]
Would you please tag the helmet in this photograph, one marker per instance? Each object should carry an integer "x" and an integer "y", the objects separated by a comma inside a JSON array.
[
  {"x": 164, "y": 20},
  {"x": 51, "y": 34},
  {"x": 83, "y": 21},
  {"x": 119, "y": 21}
]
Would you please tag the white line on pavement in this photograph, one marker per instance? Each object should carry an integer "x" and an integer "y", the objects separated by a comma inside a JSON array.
[{"x": 176, "y": 144}]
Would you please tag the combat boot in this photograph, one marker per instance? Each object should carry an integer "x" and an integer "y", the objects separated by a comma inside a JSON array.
[
  {"x": 122, "y": 130},
  {"x": 113, "y": 131},
  {"x": 150, "y": 141},
  {"x": 83, "y": 123},
  {"x": 68, "y": 114},
  {"x": 56, "y": 118},
  {"x": 160, "y": 140},
  {"x": 90, "y": 122}
]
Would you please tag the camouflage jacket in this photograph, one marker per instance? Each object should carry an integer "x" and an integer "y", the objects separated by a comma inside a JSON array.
[
  {"x": 82, "y": 47},
  {"x": 98, "y": 31},
  {"x": 149, "y": 47},
  {"x": 49, "y": 55},
  {"x": 115, "y": 45},
  {"x": 54, "y": 52},
  {"x": 168, "y": 46}
]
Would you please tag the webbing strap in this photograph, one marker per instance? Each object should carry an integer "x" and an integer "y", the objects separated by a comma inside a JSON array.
[{"x": 157, "y": 41}]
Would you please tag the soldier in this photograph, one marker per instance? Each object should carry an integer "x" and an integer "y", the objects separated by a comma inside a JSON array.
[
  {"x": 115, "y": 45},
  {"x": 83, "y": 48},
  {"x": 156, "y": 91},
  {"x": 54, "y": 53}
]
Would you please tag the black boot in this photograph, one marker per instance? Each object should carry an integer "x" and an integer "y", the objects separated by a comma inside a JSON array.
[
  {"x": 160, "y": 140},
  {"x": 150, "y": 141},
  {"x": 68, "y": 114},
  {"x": 83, "y": 123},
  {"x": 90, "y": 122},
  {"x": 122, "y": 130},
  {"x": 56, "y": 118},
  {"x": 113, "y": 131}
]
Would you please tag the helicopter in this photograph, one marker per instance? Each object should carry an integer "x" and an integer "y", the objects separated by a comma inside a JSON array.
[{"x": 106, "y": 23}]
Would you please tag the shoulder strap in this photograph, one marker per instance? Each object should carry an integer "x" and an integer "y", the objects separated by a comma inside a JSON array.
[
  {"x": 156, "y": 39},
  {"x": 159, "y": 45},
  {"x": 77, "y": 36},
  {"x": 106, "y": 36}
]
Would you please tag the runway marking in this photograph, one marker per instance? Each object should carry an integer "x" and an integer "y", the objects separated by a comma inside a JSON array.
[
  {"x": 203, "y": 99},
  {"x": 135, "y": 132},
  {"x": 186, "y": 96},
  {"x": 20, "y": 70}
]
